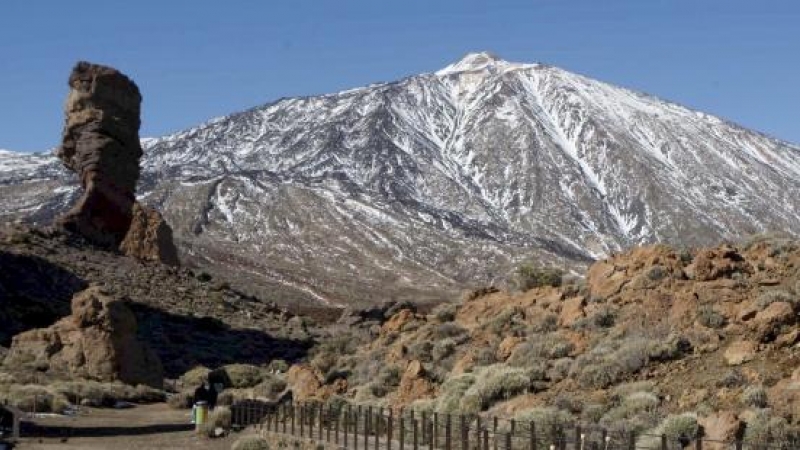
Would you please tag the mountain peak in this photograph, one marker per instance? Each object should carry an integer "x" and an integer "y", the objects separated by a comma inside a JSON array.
[{"x": 477, "y": 61}]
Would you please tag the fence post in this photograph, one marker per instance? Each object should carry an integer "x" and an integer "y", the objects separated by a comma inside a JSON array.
[
  {"x": 294, "y": 418},
  {"x": 562, "y": 437},
  {"x": 346, "y": 424},
  {"x": 698, "y": 442},
  {"x": 631, "y": 440},
  {"x": 323, "y": 422},
  {"x": 367, "y": 419},
  {"x": 464, "y": 435},
  {"x": 435, "y": 429},
  {"x": 389, "y": 429},
  {"x": 663, "y": 441},
  {"x": 486, "y": 438},
  {"x": 533, "y": 435},
  {"x": 376, "y": 428},
  {"x": 416, "y": 442},
  {"x": 508, "y": 441},
  {"x": 402, "y": 432},
  {"x": 355, "y": 427},
  {"x": 578, "y": 437},
  {"x": 448, "y": 433},
  {"x": 494, "y": 432}
]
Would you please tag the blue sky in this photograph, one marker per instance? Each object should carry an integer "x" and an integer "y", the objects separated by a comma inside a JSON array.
[{"x": 194, "y": 60}]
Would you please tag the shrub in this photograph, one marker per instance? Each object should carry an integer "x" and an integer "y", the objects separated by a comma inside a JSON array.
[
  {"x": 764, "y": 427},
  {"x": 549, "y": 346},
  {"x": 528, "y": 277},
  {"x": 250, "y": 443},
  {"x": 181, "y": 400},
  {"x": 755, "y": 396},
  {"x": 443, "y": 349},
  {"x": 493, "y": 383},
  {"x": 447, "y": 330},
  {"x": 240, "y": 375},
  {"x": 542, "y": 417},
  {"x": 675, "y": 426},
  {"x": 421, "y": 350},
  {"x": 710, "y": 318},
  {"x": 510, "y": 319},
  {"x": 545, "y": 324},
  {"x": 559, "y": 370},
  {"x": 766, "y": 298},
  {"x": 604, "y": 318},
  {"x": 451, "y": 393},
  {"x": 485, "y": 356},
  {"x": 194, "y": 377},
  {"x": 278, "y": 365},
  {"x": 31, "y": 398},
  {"x": 732, "y": 378},
  {"x": 269, "y": 387},
  {"x": 445, "y": 312},
  {"x": 220, "y": 417}
]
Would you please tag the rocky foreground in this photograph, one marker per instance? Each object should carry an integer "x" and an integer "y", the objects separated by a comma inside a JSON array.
[{"x": 651, "y": 338}]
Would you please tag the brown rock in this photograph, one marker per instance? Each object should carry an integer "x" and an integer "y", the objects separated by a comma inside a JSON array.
[
  {"x": 506, "y": 347},
  {"x": 769, "y": 321},
  {"x": 98, "y": 341},
  {"x": 413, "y": 385},
  {"x": 713, "y": 263},
  {"x": 571, "y": 312},
  {"x": 720, "y": 429},
  {"x": 101, "y": 143},
  {"x": 304, "y": 382},
  {"x": 396, "y": 323},
  {"x": 740, "y": 352},
  {"x": 149, "y": 238}
]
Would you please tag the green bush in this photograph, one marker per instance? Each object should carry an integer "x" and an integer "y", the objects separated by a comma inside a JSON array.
[
  {"x": 241, "y": 375},
  {"x": 250, "y": 443},
  {"x": 442, "y": 349},
  {"x": 194, "y": 377},
  {"x": 710, "y": 318},
  {"x": 445, "y": 312},
  {"x": 528, "y": 277},
  {"x": 766, "y": 298},
  {"x": 493, "y": 383},
  {"x": 755, "y": 396},
  {"x": 30, "y": 398},
  {"x": 674, "y": 426},
  {"x": 452, "y": 391},
  {"x": 269, "y": 387},
  {"x": 181, "y": 400},
  {"x": 220, "y": 417},
  {"x": 549, "y": 346}
]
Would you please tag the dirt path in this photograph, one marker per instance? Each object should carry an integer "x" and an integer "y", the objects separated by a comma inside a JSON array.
[{"x": 140, "y": 428}]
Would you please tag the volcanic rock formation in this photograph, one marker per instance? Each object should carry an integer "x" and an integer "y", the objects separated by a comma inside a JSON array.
[
  {"x": 101, "y": 143},
  {"x": 97, "y": 341}
]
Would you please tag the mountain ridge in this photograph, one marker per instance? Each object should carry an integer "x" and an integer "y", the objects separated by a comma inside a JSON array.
[{"x": 436, "y": 181}]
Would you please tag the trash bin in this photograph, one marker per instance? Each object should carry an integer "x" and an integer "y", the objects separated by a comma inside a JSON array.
[{"x": 200, "y": 414}]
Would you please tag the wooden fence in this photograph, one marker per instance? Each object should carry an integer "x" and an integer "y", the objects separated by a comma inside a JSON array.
[{"x": 374, "y": 428}]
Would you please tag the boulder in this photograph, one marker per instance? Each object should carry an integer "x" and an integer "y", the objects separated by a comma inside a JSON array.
[
  {"x": 740, "y": 352},
  {"x": 100, "y": 142},
  {"x": 304, "y": 382},
  {"x": 149, "y": 238},
  {"x": 713, "y": 263},
  {"x": 768, "y": 322},
  {"x": 97, "y": 341},
  {"x": 413, "y": 385},
  {"x": 720, "y": 429}
]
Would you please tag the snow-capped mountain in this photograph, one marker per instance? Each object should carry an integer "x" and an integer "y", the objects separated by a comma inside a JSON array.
[{"x": 417, "y": 188}]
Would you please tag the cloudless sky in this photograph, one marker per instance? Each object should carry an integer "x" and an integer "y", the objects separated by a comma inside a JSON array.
[{"x": 195, "y": 60}]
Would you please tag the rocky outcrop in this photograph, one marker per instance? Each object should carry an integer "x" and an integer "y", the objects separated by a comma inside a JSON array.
[
  {"x": 97, "y": 341},
  {"x": 100, "y": 143},
  {"x": 149, "y": 237}
]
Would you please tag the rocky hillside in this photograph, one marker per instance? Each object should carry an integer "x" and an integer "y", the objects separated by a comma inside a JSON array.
[
  {"x": 188, "y": 318},
  {"x": 415, "y": 188},
  {"x": 652, "y": 335}
]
